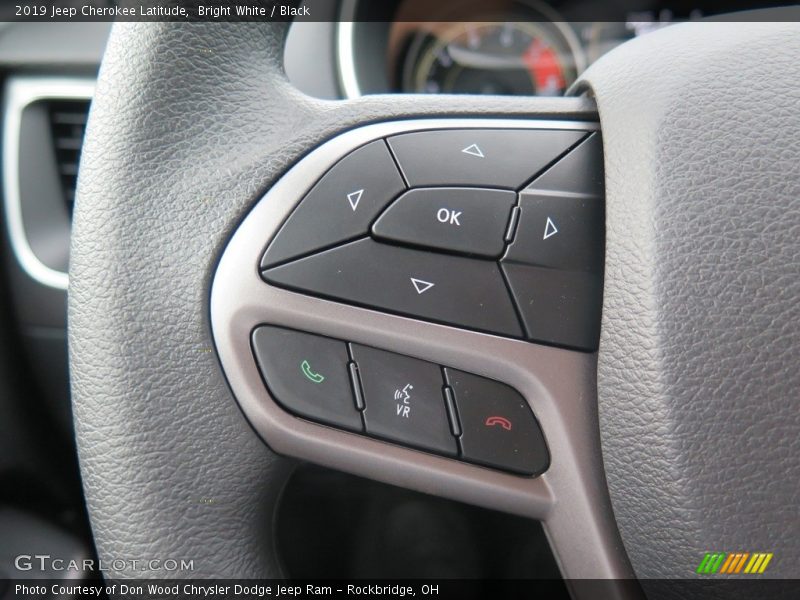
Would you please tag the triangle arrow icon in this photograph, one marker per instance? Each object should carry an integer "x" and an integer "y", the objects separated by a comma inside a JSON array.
[
  {"x": 473, "y": 150},
  {"x": 354, "y": 198},
  {"x": 421, "y": 286},
  {"x": 550, "y": 229}
]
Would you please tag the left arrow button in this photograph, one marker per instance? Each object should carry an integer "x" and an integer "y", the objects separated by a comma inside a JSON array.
[{"x": 341, "y": 206}]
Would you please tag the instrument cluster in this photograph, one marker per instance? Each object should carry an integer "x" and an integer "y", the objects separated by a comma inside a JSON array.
[{"x": 506, "y": 47}]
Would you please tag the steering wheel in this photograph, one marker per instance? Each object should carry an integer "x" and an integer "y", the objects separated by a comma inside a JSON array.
[{"x": 678, "y": 437}]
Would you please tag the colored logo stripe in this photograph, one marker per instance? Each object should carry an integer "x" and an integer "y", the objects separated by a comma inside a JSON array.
[
  {"x": 741, "y": 562},
  {"x": 711, "y": 562},
  {"x": 732, "y": 563},
  {"x": 732, "y": 558},
  {"x": 758, "y": 563}
]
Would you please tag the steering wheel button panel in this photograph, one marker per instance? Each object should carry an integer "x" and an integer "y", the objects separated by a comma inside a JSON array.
[
  {"x": 341, "y": 206},
  {"x": 307, "y": 374},
  {"x": 467, "y": 220},
  {"x": 439, "y": 287},
  {"x": 558, "y": 307},
  {"x": 404, "y": 400},
  {"x": 400, "y": 399},
  {"x": 353, "y": 291},
  {"x": 503, "y": 158},
  {"x": 498, "y": 428}
]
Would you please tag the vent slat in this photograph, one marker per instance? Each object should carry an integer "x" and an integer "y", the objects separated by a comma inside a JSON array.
[
  {"x": 68, "y": 169},
  {"x": 70, "y": 143},
  {"x": 68, "y": 118},
  {"x": 67, "y": 126}
]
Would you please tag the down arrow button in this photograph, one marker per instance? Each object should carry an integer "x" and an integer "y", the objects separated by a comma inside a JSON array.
[
  {"x": 421, "y": 286},
  {"x": 438, "y": 287}
]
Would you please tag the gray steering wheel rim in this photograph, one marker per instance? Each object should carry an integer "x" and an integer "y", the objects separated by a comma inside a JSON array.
[{"x": 697, "y": 365}]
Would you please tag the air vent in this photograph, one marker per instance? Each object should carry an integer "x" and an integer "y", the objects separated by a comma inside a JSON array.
[
  {"x": 68, "y": 125},
  {"x": 44, "y": 124}
]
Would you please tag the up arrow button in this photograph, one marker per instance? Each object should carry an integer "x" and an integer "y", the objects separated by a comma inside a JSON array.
[{"x": 493, "y": 158}]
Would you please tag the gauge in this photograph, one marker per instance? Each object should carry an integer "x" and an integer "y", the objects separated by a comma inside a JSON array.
[{"x": 509, "y": 58}]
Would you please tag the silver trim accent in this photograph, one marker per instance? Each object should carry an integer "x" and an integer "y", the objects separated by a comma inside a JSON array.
[
  {"x": 345, "y": 54},
  {"x": 571, "y": 498},
  {"x": 20, "y": 92}
]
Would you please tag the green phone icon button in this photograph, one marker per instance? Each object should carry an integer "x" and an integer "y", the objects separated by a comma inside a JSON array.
[{"x": 305, "y": 368}]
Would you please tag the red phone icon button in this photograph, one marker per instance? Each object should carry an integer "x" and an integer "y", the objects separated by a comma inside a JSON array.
[{"x": 498, "y": 421}]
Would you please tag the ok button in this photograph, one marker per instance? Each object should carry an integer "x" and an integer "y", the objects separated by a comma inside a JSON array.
[
  {"x": 466, "y": 220},
  {"x": 445, "y": 215}
]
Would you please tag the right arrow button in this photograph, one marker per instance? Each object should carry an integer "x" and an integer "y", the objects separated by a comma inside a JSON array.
[
  {"x": 559, "y": 232},
  {"x": 550, "y": 229},
  {"x": 554, "y": 266}
]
